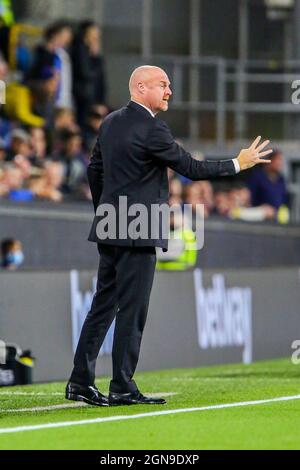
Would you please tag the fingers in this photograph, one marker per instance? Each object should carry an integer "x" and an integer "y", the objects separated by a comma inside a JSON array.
[
  {"x": 263, "y": 154},
  {"x": 254, "y": 143},
  {"x": 266, "y": 152},
  {"x": 262, "y": 146}
]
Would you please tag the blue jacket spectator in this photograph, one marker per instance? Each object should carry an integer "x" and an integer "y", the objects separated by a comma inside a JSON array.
[
  {"x": 267, "y": 184},
  {"x": 51, "y": 55}
]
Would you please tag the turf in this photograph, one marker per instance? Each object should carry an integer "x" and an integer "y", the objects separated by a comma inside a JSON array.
[{"x": 265, "y": 426}]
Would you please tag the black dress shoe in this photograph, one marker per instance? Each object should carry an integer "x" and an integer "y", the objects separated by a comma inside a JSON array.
[
  {"x": 135, "y": 398},
  {"x": 89, "y": 394}
]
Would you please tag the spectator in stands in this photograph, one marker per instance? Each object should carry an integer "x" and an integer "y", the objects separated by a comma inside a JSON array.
[
  {"x": 3, "y": 68},
  {"x": 48, "y": 184},
  {"x": 3, "y": 185},
  {"x": 19, "y": 165},
  {"x": 267, "y": 184},
  {"x": 5, "y": 124},
  {"x": 239, "y": 196},
  {"x": 176, "y": 191},
  {"x": 20, "y": 144},
  {"x": 89, "y": 82},
  {"x": 200, "y": 192},
  {"x": 12, "y": 254},
  {"x": 12, "y": 180},
  {"x": 221, "y": 202},
  {"x": 52, "y": 55},
  {"x": 2, "y": 150},
  {"x": 23, "y": 163},
  {"x": 182, "y": 249},
  {"x": 102, "y": 109},
  {"x": 64, "y": 96},
  {"x": 18, "y": 104},
  {"x": 38, "y": 146},
  {"x": 74, "y": 162},
  {"x": 235, "y": 203},
  {"x": 64, "y": 119},
  {"x": 90, "y": 130},
  {"x": 6, "y": 128},
  {"x": 44, "y": 94}
]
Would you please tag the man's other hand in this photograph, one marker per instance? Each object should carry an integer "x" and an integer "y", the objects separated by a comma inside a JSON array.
[{"x": 254, "y": 154}]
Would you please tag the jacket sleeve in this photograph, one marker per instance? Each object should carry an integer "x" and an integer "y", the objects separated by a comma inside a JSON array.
[
  {"x": 95, "y": 173},
  {"x": 164, "y": 150}
]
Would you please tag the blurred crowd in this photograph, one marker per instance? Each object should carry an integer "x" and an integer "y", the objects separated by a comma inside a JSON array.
[
  {"x": 56, "y": 100},
  {"x": 55, "y": 103},
  {"x": 258, "y": 195}
]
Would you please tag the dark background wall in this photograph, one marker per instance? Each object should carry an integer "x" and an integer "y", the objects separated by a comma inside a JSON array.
[{"x": 55, "y": 237}]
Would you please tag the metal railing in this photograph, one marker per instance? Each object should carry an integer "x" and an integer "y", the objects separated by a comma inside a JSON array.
[
  {"x": 238, "y": 73},
  {"x": 185, "y": 74}
]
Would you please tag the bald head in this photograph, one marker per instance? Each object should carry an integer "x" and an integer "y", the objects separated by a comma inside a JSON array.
[
  {"x": 149, "y": 85},
  {"x": 142, "y": 75}
]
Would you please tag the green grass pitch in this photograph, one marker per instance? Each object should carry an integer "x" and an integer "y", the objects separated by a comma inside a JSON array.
[{"x": 271, "y": 425}]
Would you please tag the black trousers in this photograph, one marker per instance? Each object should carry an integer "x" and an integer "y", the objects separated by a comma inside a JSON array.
[{"x": 125, "y": 279}]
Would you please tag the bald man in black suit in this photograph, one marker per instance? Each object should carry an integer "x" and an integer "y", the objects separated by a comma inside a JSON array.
[{"x": 131, "y": 156}]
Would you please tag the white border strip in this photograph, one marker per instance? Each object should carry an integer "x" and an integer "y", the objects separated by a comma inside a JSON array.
[
  {"x": 61, "y": 394},
  {"x": 64, "y": 424},
  {"x": 43, "y": 408},
  {"x": 66, "y": 405},
  {"x": 33, "y": 394}
]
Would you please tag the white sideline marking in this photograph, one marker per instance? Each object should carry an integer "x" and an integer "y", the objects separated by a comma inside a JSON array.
[
  {"x": 44, "y": 408},
  {"x": 33, "y": 394},
  {"x": 221, "y": 379},
  {"x": 158, "y": 394},
  {"x": 63, "y": 424},
  {"x": 68, "y": 405},
  {"x": 60, "y": 394}
]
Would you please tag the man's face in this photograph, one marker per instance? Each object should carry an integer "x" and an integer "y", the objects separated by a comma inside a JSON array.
[
  {"x": 54, "y": 174},
  {"x": 92, "y": 39},
  {"x": 14, "y": 178},
  {"x": 276, "y": 164},
  {"x": 20, "y": 146},
  {"x": 67, "y": 37},
  {"x": 38, "y": 140},
  {"x": 157, "y": 91},
  {"x": 73, "y": 146},
  {"x": 63, "y": 38}
]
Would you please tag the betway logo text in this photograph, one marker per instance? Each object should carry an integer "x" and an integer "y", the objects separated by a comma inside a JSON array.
[{"x": 224, "y": 315}]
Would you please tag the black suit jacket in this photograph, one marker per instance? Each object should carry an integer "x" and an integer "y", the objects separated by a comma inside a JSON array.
[{"x": 130, "y": 158}]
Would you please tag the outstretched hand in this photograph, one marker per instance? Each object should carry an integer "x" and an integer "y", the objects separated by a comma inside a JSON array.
[{"x": 251, "y": 156}]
